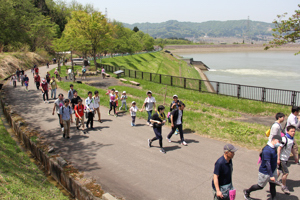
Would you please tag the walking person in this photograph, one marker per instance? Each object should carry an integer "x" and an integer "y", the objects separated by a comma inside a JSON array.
[
  {"x": 59, "y": 102},
  {"x": 75, "y": 99},
  {"x": 18, "y": 74},
  {"x": 26, "y": 82},
  {"x": 83, "y": 76},
  {"x": 222, "y": 178},
  {"x": 174, "y": 105},
  {"x": 103, "y": 72},
  {"x": 90, "y": 105},
  {"x": 14, "y": 80},
  {"x": 22, "y": 72},
  {"x": 44, "y": 88},
  {"x": 37, "y": 80},
  {"x": 53, "y": 85},
  {"x": 36, "y": 69},
  {"x": 48, "y": 77},
  {"x": 70, "y": 73},
  {"x": 284, "y": 152},
  {"x": 133, "y": 111},
  {"x": 56, "y": 73},
  {"x": 70, "y": 92},
  {"x": 176, "y": 122},
  {"x": 79, "y": 114},
  {"x": 47, "y": 65},
  {"x": 123, "y": 100},
  {"x": 149, "y": 103},
  {"x": 276, "y": 128},
  {"x": 22, "y": 79},
  {"x": 267, "y": 170},
  {"x": 158, "y": 119},
  {"x": 112, "y": 101},
  {"x": 97, "y": 105},
  {"x": 66, "y": 118}
]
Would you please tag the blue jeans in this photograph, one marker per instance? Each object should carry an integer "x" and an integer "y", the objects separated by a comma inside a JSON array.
[
  {"x": 53, "y": 93},
  {"x": 149, "y": 115}
]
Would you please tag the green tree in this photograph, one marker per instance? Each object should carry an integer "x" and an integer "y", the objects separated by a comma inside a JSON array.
[
  {"x": 286, "y": 31},
  {"x": 135, "y": 29}
]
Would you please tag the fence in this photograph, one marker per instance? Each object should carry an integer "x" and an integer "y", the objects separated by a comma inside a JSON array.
[{"x": 270, "y": 95}]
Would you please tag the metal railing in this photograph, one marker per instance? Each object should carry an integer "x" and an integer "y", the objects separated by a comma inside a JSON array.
[{"x": 270, "y": 95}]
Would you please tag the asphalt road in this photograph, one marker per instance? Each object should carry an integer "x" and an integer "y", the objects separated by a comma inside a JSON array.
[{"x": 117, "y": 155}]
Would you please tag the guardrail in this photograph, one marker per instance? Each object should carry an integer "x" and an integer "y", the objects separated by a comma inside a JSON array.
[{"x": 270, "y": 95}]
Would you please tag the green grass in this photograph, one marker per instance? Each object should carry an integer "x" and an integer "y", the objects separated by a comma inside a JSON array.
[
  {"x": 158, "y": 62},
  {"x": 19, "y": 177}
]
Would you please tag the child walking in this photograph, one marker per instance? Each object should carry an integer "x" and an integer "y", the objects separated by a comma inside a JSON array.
[
  {"x": 14, "y": 80},
  {"x": 123, "y": 100},
  {"x": 133, "y": 111},
  {"x": 26, "y": 82}
]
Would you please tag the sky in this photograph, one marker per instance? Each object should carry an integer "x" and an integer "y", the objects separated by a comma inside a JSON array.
[{"x": 156, "y": 11}]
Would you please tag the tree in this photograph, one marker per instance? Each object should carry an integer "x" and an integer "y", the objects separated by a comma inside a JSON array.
[
  {"x": 93, "y": 28},
  {"x": 286, "y": 31},
  {"x": 136, "y": 29}
]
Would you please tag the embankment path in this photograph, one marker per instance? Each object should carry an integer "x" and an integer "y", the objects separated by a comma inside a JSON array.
[{"x": 117, "y": 155}]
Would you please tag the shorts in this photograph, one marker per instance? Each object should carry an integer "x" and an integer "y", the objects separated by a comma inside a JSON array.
[
  {"x": 283, "y": 167},
  {"x": 263, "y": 179}
]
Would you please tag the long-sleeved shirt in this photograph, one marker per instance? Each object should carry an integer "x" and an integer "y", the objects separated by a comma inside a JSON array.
[
  {"x": 90, "y": 104},
  {"x": 293, "y": 120}
]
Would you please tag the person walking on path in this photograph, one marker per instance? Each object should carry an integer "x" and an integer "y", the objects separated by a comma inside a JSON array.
[
  {"x": 53, "y": 85},
  {"x": 26, "y": 82},
  {"x": 112, "y": 101},
  {"x": 284, "y": 152},
  {"x": 276, "y": 128},
  {"x": 79, "y": 114},
  {"x": 176, "y": 122},
  {"x": 48, "y": 77},
  {"x": 70, "y": 92},
  {"x": 294, "y": 120},
  {"x": 18, "y": 74},
  {"x": 222, "y": 178},
  {"x": 22, "y": 72},
  {"x": 83, "y": 76},
  {"x": 70, "y": 73},
  {"x": 37, "y": 80},
  {"x": 14, "y": 80},
  {"x": 149, "y": 103},
  {"x": 58, "y": 103},
  {"x": 75, "y": 99},
  {"x": 158, "y": 119},
  {"x": 123, "y": 100},
  {"x": 133, "y": 111},
  {"x": 22, "y": 79},
  {"x": 267, "y": 170},
  {"x": 97, "y": 105},
  {"x": 174, "y": 105},
  {"x": 103, "y": 72},
  {"x": 36, "y": 69},
  {"x": 44, "y": 88},
  {"x": 66, "y": 118},
  {"x": 56, "y": 73},
  {"x": 90, "y": 105}
]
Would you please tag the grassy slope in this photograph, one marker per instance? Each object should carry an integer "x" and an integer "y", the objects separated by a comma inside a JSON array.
[
  {"x": 19, "y": 177},
  {"x": 207, "y": 114},
  {"x": 159, "y": 62}
]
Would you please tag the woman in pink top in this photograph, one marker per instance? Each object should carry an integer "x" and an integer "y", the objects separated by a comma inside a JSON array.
[{"x": 112, "y": 101}]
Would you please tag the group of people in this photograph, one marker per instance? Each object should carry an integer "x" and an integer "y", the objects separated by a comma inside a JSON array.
[
  {"x": 20, "y": 76},
  {"x": 273, "y": 160},
  {"x": 45, "y": 84}
]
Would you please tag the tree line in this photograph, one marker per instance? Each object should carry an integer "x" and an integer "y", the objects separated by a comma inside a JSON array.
[{"x": 57, "y": 26}]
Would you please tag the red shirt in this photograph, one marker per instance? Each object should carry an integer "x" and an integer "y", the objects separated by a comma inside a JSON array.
[
  {"x": 37, "y": 78},
  {"x": 79, "y": 110},
  {"x": 44, "y": 86},
  {"x": 36, "y": 70}
]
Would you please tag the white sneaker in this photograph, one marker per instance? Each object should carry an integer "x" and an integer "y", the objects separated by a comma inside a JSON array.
[
  {"x": 169, "y": 140},
  {"x": 151, "y": 125},
  {"x": 62, "y": 129},
  {"x": 184, "y": 143}
]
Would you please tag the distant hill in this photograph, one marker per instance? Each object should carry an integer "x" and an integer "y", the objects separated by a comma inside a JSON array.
[{"x": 231, "y": 28}]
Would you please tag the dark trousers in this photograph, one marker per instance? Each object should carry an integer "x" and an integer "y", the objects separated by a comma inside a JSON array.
[
  {"x": 149, "y": 115},
  {"x": 112, "y": 105},
  {"x": 15, "y": 83},
  {"x": 180, "y": 131},
  {"x": 61, "y": 125},
  {"x": 90, "y": 119},
  {"x": 37, "y": 85},
  {"x": 257, "y": 187},
  {"x": 133, "y": 119},
  {"x": 157, "y": 131},
  {"x": 45, "y": 94}
]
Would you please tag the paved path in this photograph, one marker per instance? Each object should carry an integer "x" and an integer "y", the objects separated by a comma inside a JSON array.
[{"x": 117, "y": 155}]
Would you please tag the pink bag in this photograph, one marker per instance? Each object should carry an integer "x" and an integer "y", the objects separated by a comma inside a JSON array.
[
  {"x": 232, "y": 194},
  {"x": 282, "y": 134}
]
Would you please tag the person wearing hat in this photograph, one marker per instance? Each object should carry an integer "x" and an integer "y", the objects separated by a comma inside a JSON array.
[
  {"x": 44, "y": 88},
  {"x": 123, "y": 100},
  {"x": 133, "y": 111},
  {"x": 149, "y": 104},
  {"x": 176, "y": 122},
  {"x": 267, "y": 170},
  {"x": 222, "y": 179}
]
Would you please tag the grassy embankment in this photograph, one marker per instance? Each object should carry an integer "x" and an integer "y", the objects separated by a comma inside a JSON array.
[
  {"x": 207, "y": 114},
  {"x": 19, "y": 177}
]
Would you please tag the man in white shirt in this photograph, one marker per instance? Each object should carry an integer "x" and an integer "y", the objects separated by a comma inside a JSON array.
[
  {"x": 276, "y": 127},
  {"x": 293, "y": 119},
  {"x": 284, "y": 151},
  {"x": 90, "y": 107},
  {"x": 70, "y": 73}
]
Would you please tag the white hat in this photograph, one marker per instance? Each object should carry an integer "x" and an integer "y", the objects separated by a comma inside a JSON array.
[
  {"x": 149, "y": 92},
  {"x": 116, "y": 91},
  {"x": 124, "y": 92},
  {"x": 175, "y": 96},
  {"x": 133, "y": 102}
]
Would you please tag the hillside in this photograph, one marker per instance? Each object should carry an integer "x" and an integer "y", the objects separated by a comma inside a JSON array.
[
  {"x": 159, "y": 62},
  {"x": 231, "y": 28}
]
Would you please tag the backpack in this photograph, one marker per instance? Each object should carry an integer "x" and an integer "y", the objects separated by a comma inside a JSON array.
[{"x": 84, "y": 70}]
